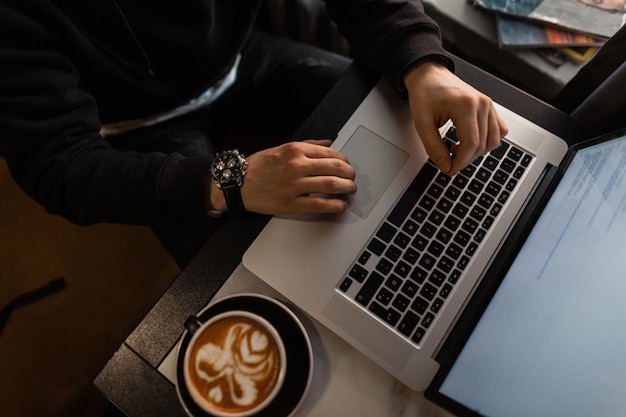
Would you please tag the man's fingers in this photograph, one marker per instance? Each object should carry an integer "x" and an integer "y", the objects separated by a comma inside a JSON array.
[
  {"x": 436, "y": 148},
  {"x": 477, "y": 137},
  {"x": 320, "y": 204},
  {"x": 320, "y": 149},
  {"x": 330, "y": 167},
  {"x": 331, "y": 185}
]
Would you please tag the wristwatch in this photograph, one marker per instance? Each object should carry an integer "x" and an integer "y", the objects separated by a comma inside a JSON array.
[{"x": 228, "y": 169}]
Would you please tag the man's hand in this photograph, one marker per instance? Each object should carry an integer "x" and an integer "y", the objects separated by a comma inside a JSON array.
[
  {"x": 293, "y": 178},
  {"x": 437, "y": 95}
]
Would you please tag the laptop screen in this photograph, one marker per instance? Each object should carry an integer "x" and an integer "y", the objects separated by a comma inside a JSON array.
[{"x": 553, "y": 340}]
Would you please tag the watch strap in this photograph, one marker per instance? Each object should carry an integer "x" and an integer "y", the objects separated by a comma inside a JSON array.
[{"x": 234, "y": 202}]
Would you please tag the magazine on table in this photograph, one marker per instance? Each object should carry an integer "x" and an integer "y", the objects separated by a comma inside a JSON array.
[
  {"x": 514, "y": 33},
  {"x": 594, "y": 17}
]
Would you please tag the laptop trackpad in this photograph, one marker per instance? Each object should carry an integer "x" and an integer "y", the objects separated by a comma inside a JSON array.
[
  {"x": 376, "y": 339},
  {"x": 377, "y": 162}
]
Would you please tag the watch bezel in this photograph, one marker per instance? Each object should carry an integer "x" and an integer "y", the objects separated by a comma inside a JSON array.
[{"x": 238, "y": 170}]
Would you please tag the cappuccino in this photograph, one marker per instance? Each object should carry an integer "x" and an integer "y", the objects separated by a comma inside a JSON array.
[{"x": 234, "y": 364}]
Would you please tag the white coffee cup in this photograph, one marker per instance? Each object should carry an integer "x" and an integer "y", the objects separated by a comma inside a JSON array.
[{"x": 234, "y": 364}]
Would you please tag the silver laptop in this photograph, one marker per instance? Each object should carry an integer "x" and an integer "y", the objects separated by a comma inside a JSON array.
[{"x": 392, "y": 274}]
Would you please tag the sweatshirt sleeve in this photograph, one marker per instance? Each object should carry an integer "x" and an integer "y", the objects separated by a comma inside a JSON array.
[
  {"x": 390, "y": 35},
  {"x": 49, "y": 135}
]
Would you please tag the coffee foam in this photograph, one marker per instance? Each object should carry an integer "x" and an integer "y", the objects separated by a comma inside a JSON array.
[{"x": 234, "y": 365}]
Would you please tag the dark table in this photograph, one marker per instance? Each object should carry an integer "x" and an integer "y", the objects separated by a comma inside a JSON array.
[{"x": 130, "y": 380}]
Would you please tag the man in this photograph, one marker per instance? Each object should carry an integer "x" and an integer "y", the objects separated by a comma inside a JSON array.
[{"x": 110, "y": 111}]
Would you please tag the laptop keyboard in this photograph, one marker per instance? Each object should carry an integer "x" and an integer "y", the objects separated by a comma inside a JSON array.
[{"x": 409, "y": 268}]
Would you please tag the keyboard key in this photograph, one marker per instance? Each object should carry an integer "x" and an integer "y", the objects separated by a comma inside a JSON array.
[
  {"x": 485, "y": 201},
  {"x": 402, "y": 269},
  {"x": 468, "y": 171},
  {"x": 384, "y": 296},
  {"x": 428, "y": 320},
  {"x": 411, "y": 196},
  {"x": 462, "y": 238},
  {"x": 410, "y": 288},
  {"x": 503, "y": 197},
  {"x": 427, "y": 203},
  {"x": 476, "y": 186},
  {"x": 510, "y": 185},
  {"x": 384, "y": 266},
  {"x": 427, "y": 262},
  {"x": 500, "y": 177},
  {"x": 460, "y": 181},
  {"x": 411, "y": 256},
  {"x": 376, "y": 246},
  {"x": 345, "y": 284},
  {"x": 454, "y": 276},
  {"x": 401, "y": 302},
  {"x": 483, "y": 174},
  {"x": 387, "y": 314},
  {"x": 460, "y": 210},
  {"x": 393, "y": 253},
  {"x": 435, "y": 248},
  {"x": 452, "y": 223},
  {"x": 468, "y": 198},
  {"x": 386, "y": 232},
  {"x": 515, "y": 153},
  {"x": 408, "y": 323},
  {"x": 452, "y": 193},
  {"x": 410, "y": 227},
  {"x": 435, "y": 191},
  {"x": 436, "y": 217},
  {"x": 437, "y": 277},
  {"x": 428, "y": 229},
  {"x": 365, "y": 256},
  {"x": 477, "y": 213},
  {"x": 418, "y": 275},
  {"x": 500, "y": 150},
  {"x": 444, "y": 205},
  {"x": 491, "y": 163},
  {"x": 428, "y": 291},
  {"x": 366, "y": 293},
  {"x": 436, "y": 305},
  {"x": 444, "y": 235},
  {"x": 418, "y": 215},
  {"x": 507, "y": 165},
  {"x": 454, "y": 251},
  {"x": 495, "y": 210},
  {"x": 470, "y": 226},
  {"x": 419, "y": 305},
  {"x": 393, "y": 282},
  {"x": 419, "y": 335},
  {"x": 419, "y": 242},
  {"x": 493, "y": 189},
  {"x": 443, "y": 179},
  {"x": 480, "y": 235},
  {"x": 463, "y": 262},
  {"x": 358, "y": 272},
  {"x": 451, "y": 134},
  {"x": 445, "y": 291},
  {"x": 445, "y": 264},
  {"x": 402, "y": 240}
]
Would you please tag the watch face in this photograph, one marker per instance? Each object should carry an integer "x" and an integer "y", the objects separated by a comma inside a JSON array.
[{"x": 228, "y": 167}]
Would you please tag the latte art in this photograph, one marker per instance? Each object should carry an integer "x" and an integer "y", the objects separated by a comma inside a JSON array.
[{"x": 235, "y": 364}]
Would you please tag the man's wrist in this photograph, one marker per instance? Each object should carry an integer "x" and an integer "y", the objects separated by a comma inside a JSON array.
[
  {"x": 214, "y": 201},
  {"x": 217, "y": 201},
  {"x": 433, "y": 59}
]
